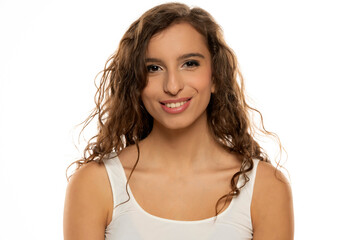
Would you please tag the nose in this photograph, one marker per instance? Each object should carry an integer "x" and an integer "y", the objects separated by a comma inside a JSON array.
[{"x": 173, "y": 83}]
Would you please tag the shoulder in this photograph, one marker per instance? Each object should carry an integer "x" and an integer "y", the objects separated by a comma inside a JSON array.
[
  {"x": 89, "y": 171},
  {"x": 88, "y": 202},
  {"x": 271, "y": 207},
  {"x": 269, "y": 176},
  {"x": 89, "y": 179}
]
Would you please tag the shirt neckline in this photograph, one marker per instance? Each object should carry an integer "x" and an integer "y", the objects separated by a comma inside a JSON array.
[{"x": 137, "y": 205}]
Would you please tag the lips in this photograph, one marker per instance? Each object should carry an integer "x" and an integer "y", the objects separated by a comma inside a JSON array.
[
  {"x": 175, "y": 100},
  {"x": 175, "y": 106}
]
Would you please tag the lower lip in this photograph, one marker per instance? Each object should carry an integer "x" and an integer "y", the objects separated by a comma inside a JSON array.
[{"x": 176, "y": 109}]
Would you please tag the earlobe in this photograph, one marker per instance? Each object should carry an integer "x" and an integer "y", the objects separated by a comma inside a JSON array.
[{"x": 212, "y": 85}]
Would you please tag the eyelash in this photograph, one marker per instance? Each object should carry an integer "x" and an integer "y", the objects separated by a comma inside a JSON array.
[
  {"x": 193, "y": 63},
  {"x": 150, "y": 68},
  {"x": 189, "y": 64}
]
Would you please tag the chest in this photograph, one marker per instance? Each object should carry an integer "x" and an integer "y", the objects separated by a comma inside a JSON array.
[{"x": 182, "y": 197}]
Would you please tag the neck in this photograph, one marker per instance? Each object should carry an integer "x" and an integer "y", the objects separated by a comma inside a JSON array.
[{"x": 182, "y": 150}]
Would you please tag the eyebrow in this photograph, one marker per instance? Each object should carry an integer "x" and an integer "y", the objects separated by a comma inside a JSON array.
[{"x": 184, "y": 56}]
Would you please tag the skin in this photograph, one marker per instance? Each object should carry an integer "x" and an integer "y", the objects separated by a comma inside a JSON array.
[
  {"x": 171, "y": 77},
  {"x": 171, "y": 156}
]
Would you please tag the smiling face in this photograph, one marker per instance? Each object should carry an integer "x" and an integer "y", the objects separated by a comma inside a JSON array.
[{"x": 179, "y": 83}]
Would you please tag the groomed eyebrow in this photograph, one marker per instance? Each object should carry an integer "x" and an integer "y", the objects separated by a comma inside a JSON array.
[{"x": 187, "y": 55}]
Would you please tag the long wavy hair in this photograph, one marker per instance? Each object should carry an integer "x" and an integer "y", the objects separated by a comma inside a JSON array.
[{"x": 123, "y": 119}]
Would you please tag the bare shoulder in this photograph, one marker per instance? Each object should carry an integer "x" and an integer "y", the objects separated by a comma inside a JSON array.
[
  {"x": 268, "y": 175},
  {"x": 88, "y": 203},
  {"x": 272, "y": 204},
  {"x": 90, "y": 179}
]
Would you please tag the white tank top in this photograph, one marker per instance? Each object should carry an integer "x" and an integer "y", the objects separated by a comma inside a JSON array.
[{"x": 131, "y": 222}]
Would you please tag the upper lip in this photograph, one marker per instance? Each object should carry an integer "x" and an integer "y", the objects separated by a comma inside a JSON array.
[{"x": 175, "y": 100}]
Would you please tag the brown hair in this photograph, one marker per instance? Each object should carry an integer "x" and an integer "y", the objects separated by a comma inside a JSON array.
[{"x": 122, "y": 117}]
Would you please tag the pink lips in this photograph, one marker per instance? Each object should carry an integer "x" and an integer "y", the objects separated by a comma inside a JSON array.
[
  {"x": 176, "y": 109},
  {"x": 175, "y": 100}
]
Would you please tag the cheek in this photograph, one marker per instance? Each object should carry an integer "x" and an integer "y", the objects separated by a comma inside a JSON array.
[
  {"x": 202, "y": 81},
  {"x": 145, "y": 97},
  {"x": 148, "y": 95}
]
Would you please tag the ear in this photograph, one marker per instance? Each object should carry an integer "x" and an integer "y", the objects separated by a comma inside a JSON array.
[{"x": 212, "y": 85}]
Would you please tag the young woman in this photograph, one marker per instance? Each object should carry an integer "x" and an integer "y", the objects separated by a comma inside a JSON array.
[{"x": 175, "y": 156}]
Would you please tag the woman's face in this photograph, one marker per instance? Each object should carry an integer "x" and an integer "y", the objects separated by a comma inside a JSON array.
[{"x": 179, "y": 78}]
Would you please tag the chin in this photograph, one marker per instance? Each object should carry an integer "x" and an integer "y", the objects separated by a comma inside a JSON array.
[
  {"x": 181, "y": 123},
  {"x": 175, "y": 125}
]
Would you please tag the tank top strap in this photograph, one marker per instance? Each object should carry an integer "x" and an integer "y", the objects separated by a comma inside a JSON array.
[
  {"x": 252, "y": 175},
  {"x": 116, "y": 177},
  {"x": 243, "y": 201}
]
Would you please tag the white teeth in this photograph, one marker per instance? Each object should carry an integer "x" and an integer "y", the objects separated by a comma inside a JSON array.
[{"x": 174, "y": 105}]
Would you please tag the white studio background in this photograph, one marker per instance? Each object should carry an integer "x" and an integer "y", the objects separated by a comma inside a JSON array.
[{"x": 300, "y": 61}]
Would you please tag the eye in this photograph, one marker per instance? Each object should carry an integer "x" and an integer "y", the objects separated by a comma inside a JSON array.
[
  {"x": 153, "y": 68},
  {"x": 191, "y": 64}
]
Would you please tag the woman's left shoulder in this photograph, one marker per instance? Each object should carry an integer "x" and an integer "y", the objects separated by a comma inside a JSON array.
[
  {"x": 267, "y": 175},
  {"x": 272, "y": 204}
]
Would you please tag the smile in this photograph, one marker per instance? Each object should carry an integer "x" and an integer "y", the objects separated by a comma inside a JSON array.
[{"x": 175, "y": 107}]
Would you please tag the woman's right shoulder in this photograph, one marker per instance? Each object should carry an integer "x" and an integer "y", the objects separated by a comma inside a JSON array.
[
  {"x": 89, "y": 176},
  {"x": 91, "y": 182},
  {"x": 88, "y": 172},
  {"x": 88, "y": 202}
]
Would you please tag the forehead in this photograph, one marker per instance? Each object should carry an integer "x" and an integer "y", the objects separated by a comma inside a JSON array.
[{"x": 177, "y": 39}]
